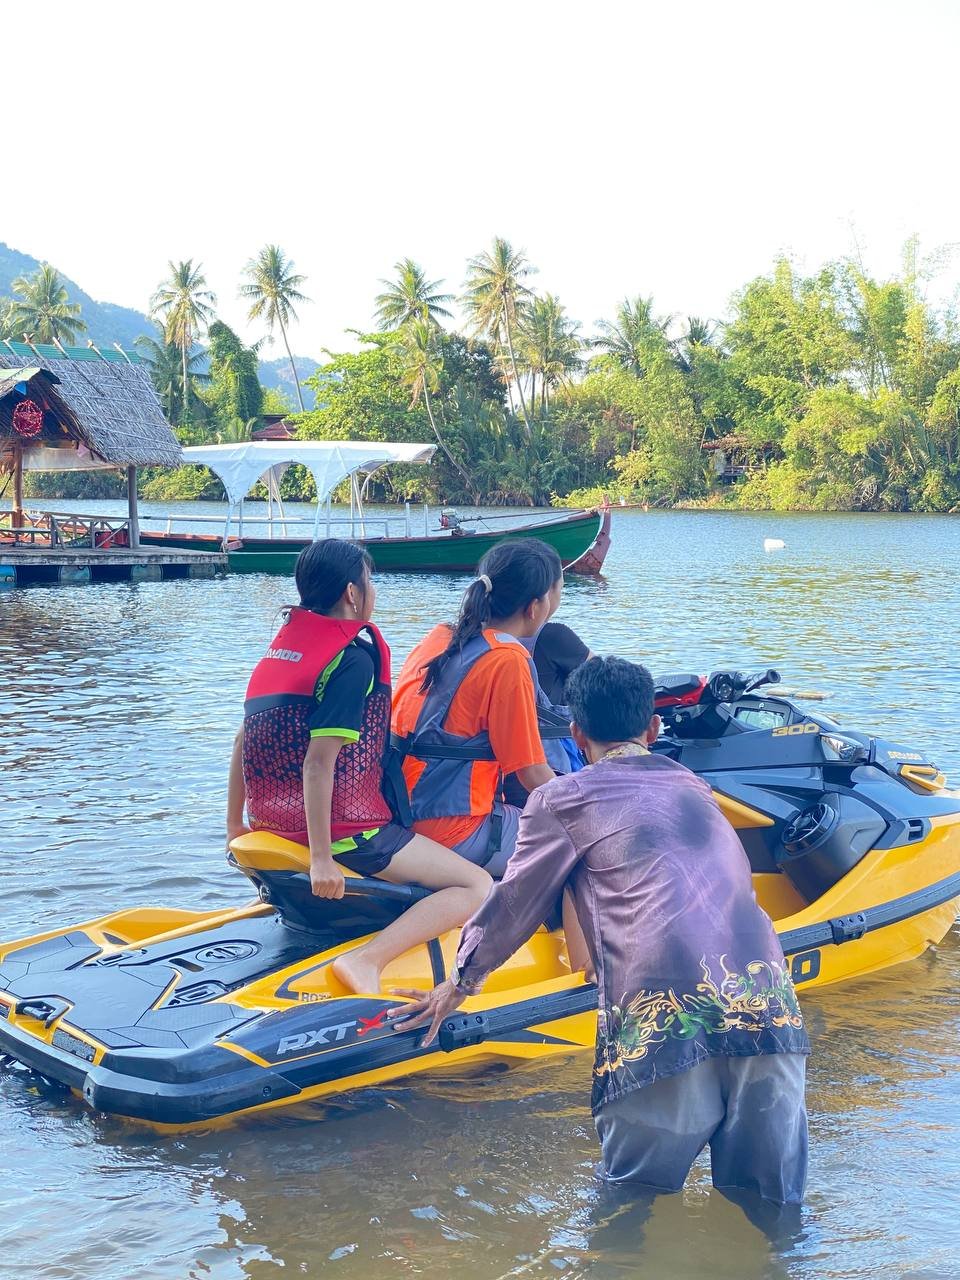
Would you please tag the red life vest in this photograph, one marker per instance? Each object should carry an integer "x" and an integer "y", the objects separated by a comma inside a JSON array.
[{"x": 276, "y": 731}]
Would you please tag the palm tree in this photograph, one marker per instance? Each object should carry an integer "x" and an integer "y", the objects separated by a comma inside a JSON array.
[
  {"x": 411, "y": 296},
  {"x": 272, "y": 288},
  {"x": 494, "y": 296},
  {"x": 626, "y": 338},
  {"x": 42, "y": 311},
  {"x": 549, "y": 346},
  {"x": 237, "y": 431},
  {"x": 164, "y": 363},
  {"x": 700, "y": 334},
  {"x": 422, "y": 365},
  {"x": 183, "y": 305}
]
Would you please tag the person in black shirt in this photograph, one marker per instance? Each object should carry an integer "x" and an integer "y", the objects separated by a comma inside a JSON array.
[{"x": 558, "y": 651}]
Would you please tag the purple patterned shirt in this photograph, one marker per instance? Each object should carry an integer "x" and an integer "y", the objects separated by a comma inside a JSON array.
[{"x": 688, "y": 965}]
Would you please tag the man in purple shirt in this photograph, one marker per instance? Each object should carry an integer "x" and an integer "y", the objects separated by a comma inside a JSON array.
[{"x": 700, "y": 1039}]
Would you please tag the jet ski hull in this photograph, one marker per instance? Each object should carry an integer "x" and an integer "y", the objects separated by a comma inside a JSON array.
[{"x": 187, "y": 1019}]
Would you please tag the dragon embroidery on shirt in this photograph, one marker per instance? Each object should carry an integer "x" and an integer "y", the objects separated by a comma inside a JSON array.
[{"x": 760, "y": 999}]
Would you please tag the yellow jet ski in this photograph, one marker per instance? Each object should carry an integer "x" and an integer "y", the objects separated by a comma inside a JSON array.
[{"x": 183, "y": 1018}]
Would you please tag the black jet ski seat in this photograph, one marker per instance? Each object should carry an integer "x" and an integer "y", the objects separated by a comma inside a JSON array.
[{"x": 280, "y": 869}]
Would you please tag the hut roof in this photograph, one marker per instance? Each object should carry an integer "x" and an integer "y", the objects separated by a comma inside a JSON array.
[{"x": 112, "y": 401}]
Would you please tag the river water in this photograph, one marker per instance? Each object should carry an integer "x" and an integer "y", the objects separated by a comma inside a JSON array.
[{"x": 117, "y": 708}]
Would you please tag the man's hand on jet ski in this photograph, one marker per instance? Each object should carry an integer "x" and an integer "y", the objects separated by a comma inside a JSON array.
[
  {"x": 326, "y": 878},
  {"x": 428, "y": 1006}
]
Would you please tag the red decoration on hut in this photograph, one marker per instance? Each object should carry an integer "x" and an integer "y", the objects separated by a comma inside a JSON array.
[{"x": 27, "y": 419}]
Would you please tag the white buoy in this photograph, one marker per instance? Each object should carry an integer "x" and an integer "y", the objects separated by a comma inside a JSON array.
[{"x": 773, "y": 544}]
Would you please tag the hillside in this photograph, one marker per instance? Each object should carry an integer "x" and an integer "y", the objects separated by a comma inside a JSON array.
[
  {"x": 108, "y": 323},
  {"x": 276, "y": 373}
]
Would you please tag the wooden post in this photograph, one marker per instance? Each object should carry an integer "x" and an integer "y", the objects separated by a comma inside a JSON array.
[
  {"x": 132, "y": 513},
  {"x": 17, "y": 516}
]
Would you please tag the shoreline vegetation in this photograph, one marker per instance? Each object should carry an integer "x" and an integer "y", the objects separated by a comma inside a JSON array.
[{"x": 832, "y": 391}]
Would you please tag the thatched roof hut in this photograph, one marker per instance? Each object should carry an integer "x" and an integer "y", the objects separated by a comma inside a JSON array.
[
  {"x": 112, "y": 403},
  {"x": 83, "y": 408}
]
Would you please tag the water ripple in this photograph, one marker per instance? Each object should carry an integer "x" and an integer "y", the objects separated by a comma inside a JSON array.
[{"x": 117, "y": 717}]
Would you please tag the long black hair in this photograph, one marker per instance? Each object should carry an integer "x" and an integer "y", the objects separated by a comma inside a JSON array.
[
  {"x": 326, "y": 568},
  {"x": 518, "y": 573}
]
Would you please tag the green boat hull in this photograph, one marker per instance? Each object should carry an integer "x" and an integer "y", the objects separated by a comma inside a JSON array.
[{"x": 572, "y": 538}]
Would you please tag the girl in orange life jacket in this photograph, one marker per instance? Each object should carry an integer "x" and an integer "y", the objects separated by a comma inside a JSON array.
[
  {"x": 308, "y": 762},
  {"x": 471, "y": 687}
]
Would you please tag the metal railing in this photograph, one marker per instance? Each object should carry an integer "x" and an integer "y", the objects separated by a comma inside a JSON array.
[
  {"x": 65, "y": 529},
  {"x": 358, "y": 524}
]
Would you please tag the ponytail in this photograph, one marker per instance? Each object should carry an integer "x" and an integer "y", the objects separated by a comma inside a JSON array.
[{"x": 512, "y": 575}]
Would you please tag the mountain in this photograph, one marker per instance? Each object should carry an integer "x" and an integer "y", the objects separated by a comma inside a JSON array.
[
  {"x": 108, "y": 323},
  {"x": 276, "y": 373}
]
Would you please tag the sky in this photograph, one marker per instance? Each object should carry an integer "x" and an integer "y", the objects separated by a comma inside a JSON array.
[{"x": 628, "y": 148}]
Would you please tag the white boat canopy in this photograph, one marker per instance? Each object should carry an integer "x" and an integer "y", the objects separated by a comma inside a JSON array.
[{"x": 240, "y": 466}]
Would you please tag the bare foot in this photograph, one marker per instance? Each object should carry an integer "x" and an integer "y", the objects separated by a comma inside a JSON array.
[{"x": 357, "y": 973}]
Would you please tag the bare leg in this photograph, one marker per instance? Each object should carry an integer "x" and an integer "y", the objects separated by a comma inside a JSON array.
[
  {"x": 460, "y": 887},
  {"x": 578, "y": 953}
]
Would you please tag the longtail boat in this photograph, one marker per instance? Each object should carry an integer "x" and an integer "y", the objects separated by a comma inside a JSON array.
[{"x": 580, "y": 538}]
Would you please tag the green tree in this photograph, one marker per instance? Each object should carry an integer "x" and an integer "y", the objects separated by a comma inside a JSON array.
[
  {"x": 234, "y": 394},
  {"x": 165, "y": 364},
  {"x": 272, "y": 288},
  {"x": 410, "y": 296},
  {"x": 627, "y": 337},
  {"x": 876, "y": 317},
  {"x": 41, "y": 309},
  {"x": 184, "y": 306},
  {"x": 470, "y": 363},
  {"x": 550, "y": 347},
  {"x": 787, "y": 337},
  {"x": 420, "y": 365},
  {"x": 361, "y": 396},
  {"x": 699, "y": 335},
  {"x": 495, "y": 294},
  {"x": 666, "y": 463},
  {"x": 275, "y": 401}
]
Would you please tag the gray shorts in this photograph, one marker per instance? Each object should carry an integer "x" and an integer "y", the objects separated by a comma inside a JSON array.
[
  {"x": 476, "y": 847},
  {"x": 750, "y": 1111}
]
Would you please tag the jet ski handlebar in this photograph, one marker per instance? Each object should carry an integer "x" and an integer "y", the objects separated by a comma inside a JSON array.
[
  {"x": 720, "y": 687},
  {"x": 727, "y": 686},
  {"x": 368, "y": 887}
]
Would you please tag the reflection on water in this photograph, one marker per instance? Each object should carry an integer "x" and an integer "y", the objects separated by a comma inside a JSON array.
[{"x": 117, "y": 712}]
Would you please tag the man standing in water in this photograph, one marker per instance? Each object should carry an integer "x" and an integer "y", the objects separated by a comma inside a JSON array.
[{"x": 700, "y": 1038}]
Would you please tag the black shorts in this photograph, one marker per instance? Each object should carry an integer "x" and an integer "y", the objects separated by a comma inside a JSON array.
[{"x": 373, "y": 854}]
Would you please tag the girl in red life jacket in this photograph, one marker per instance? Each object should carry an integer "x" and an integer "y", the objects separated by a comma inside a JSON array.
[{"x": 308, "y": 761}]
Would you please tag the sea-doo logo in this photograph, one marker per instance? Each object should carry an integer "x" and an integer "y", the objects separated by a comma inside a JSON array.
[
  {"x": 307, "y": 1039},
  {"x": 904, "y": 755},
  {"x": 285, "y": 655}
]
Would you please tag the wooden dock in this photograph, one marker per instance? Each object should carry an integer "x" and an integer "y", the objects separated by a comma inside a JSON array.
[
  {"x": 26, "y": 565},
  {"x": 63, "y": 547}
]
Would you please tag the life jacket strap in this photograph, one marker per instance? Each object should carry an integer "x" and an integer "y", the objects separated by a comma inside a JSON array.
[{"x": 437, "y": 750}]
